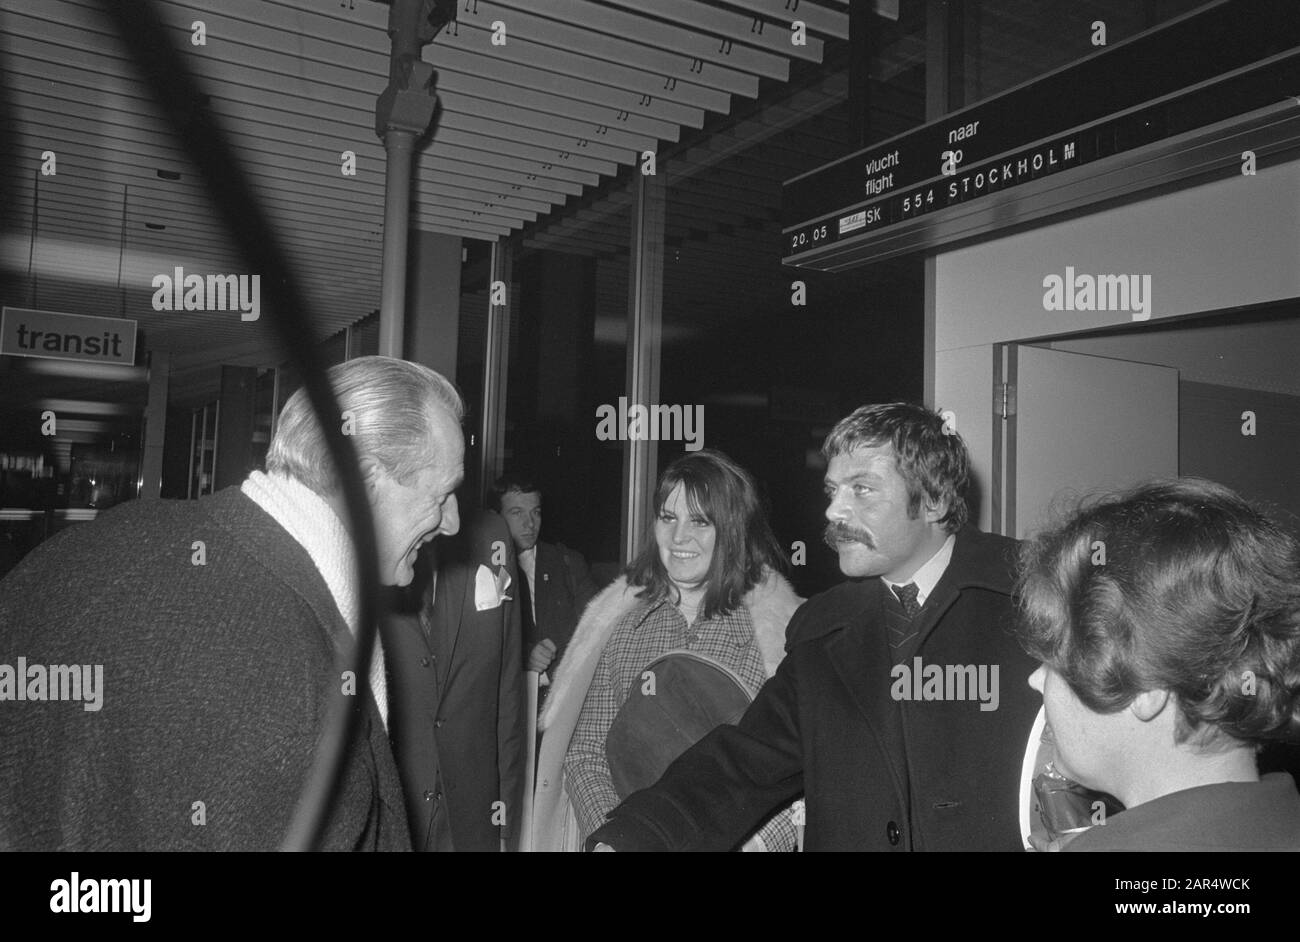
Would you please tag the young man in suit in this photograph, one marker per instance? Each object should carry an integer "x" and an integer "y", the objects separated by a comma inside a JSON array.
[
  {"x": 901, "y": 709},
  {"x": 457, "y": 695},
  {"x": 556, "y": 580}
]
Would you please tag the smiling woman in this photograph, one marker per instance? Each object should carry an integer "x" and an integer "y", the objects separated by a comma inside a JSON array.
[{"x": 707, "y": 586}]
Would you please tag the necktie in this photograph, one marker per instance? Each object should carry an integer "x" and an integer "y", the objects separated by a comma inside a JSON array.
[
  {"x": 900, "y": 624},
  {"x": 907, "y": 596}
]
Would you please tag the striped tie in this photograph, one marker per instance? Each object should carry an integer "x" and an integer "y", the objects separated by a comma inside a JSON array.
[
  {"x": 907, "y": 595},
  {"x": 900, "y": 629}
]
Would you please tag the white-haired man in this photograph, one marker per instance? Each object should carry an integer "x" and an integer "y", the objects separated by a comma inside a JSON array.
[{"x": 218, "y": 624}]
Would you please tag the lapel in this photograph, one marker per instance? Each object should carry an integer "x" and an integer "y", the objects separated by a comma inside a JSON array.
[
  {"x": 449, "y": 603},
  {"x": 545, "y": 565},
  {"x": 936, "y": 605},
  {"x": 859, "y": 653},
  {"x": 979, "y": 560}
]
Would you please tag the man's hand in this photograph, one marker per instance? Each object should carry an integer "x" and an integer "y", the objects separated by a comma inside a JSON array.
[{"x": 540, "y": 657}]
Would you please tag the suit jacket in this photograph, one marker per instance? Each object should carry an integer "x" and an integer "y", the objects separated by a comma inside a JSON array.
[
  {"x": 457, "y": 701},
  {"x": 562, "y": 589},
  {"x": 217, "y": 672},
  {"x": 1226, "y": 816},
  {"x": 827, "y": 724}
]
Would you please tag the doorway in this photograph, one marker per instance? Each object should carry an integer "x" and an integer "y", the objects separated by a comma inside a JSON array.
[{"x": 1214, "y": 396}]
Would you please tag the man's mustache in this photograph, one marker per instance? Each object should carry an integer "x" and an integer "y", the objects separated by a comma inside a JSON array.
[{"x": 837, "y": 533}]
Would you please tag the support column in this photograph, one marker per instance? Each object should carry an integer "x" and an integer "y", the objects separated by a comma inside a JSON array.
[
  {"x": 403, "y": 115},
  {"x": 496, "y": 361},
  {"x": 155, "y": 421},
  {"x": 864, "y": 41},
  {"x": 644, "y": 345},
  {"x": 433, "y": 301},
  {"x": 397, "y": 196},
  {"x": 238, "y": 410},
  {"x": 937, "y": 62}
]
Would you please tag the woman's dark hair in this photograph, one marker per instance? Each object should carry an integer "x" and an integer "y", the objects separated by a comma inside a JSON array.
[
  {"x": 723, "y": 493},
  {"x": 1176, "y": 585}
]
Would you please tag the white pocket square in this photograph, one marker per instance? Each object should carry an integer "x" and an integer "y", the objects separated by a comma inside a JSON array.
[{"x": 489, "y": 588}]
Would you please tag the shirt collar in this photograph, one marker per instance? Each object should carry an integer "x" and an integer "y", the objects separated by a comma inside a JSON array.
[
  {"x": 528, "y": 561},
  {"x": 928, "y": 576}
]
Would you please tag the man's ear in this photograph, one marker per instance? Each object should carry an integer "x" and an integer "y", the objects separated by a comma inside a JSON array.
[
  {"x": 934, "y": 511},
  {"x": 1149, "y": 704}
]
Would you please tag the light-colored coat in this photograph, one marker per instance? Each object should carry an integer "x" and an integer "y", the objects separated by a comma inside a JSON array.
[{"x": 771, "y": 603}]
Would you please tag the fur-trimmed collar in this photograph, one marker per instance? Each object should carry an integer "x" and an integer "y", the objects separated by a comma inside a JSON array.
[{"x": 771, "y": 603}]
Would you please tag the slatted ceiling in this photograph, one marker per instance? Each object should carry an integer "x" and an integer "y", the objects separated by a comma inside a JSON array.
[
  {"x": 725, "y": 24},
  {"x": 693, "y": 45},
  {"x": 722, "y": 189},
  {"x": 315, "y": 120},
  {"x": 599, "y": 156},
  {"x": 576, "y": 167},
  {"x": 148, "y": 250},
  {"x": 573, "y": 49},
  {"x": 820, "y": 19},
  {"x": 526, "y": 112},
  {"x": 659, "y": 116},
  {"x": 376, "y": 195},
  {"x": 607, "y": 86},
  {"x": 580, "y": 89}
]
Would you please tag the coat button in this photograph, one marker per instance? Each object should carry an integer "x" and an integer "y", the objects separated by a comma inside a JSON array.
[
  {"x": 424, "y": 662},
  {"x": 428, "y": 796},
  {"x": 892, "y": 832},
  {"x": 437, "y": 724}
]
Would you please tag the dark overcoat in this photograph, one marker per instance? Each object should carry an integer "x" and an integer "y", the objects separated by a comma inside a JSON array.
[
  {"x": 877, "y": 772},
  {"x": 218, "y": 640}
]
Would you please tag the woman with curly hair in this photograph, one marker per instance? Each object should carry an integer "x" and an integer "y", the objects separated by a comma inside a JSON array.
[{"x": 1168, "y": 623}]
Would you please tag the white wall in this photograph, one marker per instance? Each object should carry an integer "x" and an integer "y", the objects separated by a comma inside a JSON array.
[{"x": 1223, "y": 244}]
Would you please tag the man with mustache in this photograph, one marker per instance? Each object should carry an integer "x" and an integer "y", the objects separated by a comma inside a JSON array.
[{"x": 883, "y": 764}]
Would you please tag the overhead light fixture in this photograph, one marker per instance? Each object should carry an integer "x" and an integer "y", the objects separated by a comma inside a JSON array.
[
  {"x": 76, "y": 369},
  {"x": 86, "y": 407}
]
